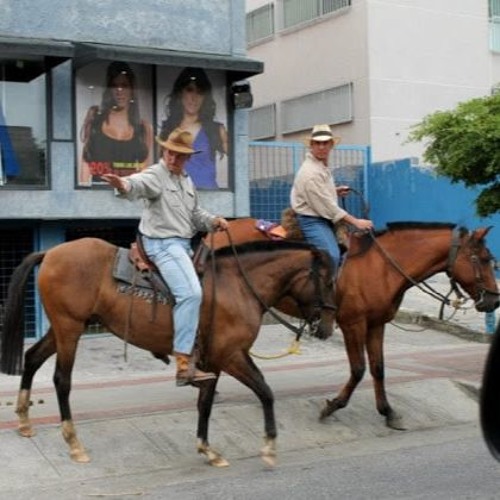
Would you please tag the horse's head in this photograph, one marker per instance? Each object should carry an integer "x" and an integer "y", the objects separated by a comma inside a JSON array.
[
  {"x": 314, "y": 294},
  {"x": 472, "y": 266}
]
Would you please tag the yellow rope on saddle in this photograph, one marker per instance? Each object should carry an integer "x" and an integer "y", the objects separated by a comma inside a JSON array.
[{"x": 293, "y": 349}]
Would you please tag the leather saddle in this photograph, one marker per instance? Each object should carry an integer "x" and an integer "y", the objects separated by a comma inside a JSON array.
[{"x": 133, "y": 267}]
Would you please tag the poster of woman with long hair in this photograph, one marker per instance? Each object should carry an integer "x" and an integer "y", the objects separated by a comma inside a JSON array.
[
  {"x": 194, "y": 99},
  {"x": 114, "y": 113}
]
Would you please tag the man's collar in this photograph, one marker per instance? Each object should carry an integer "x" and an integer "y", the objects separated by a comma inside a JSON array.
[
  {"x": 312, "y": 157},
  {"x": 165, "y": 166}
]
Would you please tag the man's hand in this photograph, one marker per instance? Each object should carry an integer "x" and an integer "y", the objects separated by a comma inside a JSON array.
[
  {"x": 220, "y": 224},
  {"x": 364, "y": 224},
  {"x": 115, "y": 181},
  {"x": 343, "y": 190}
]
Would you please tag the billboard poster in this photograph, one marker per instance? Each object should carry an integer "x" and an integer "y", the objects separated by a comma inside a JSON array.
[{"x": 114, "y": 120}]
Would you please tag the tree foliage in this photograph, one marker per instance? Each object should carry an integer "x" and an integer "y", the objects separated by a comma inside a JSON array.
[{"x": 463, "y": 144}]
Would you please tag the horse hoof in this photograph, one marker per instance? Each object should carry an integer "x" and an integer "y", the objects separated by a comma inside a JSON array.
[
  {"x": 396, "y": 423},
  {"x": 219, "y": 462},
  {"x": 327, "y": 410},
  {"x": 26, "y": 431},
  {"x": 269, "y": 461},
  {"x": 80, "y": 457},
  {"x": 268, "y": 454},
  {"x": 215, "y": 459}
]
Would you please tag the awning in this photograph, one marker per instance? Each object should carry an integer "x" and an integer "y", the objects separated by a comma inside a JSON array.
[
  {"x": 24, "y": 59},
  {"x": 237, "y": 68}
]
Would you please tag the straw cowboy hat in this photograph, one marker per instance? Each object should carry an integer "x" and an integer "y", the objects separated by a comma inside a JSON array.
[
  {"x": 179, "y": 141},
  {"x": 323, "y": 133}
]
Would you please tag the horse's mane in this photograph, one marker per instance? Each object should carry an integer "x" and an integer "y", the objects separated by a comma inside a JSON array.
[
  {"x": 263, "y": 246},
  {"x": 361, "y": 243},
  {"x": 419, "y": 225}
]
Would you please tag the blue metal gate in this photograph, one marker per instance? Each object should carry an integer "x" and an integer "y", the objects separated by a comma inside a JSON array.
[{"x": 272, "y": 166}]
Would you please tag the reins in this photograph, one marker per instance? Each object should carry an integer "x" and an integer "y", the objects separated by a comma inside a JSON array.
[
  {"x": 209, "y": 335},
  {"x": 298, "y": 331},
  {"x": 365, "y": 207},
  {"x": 423, "y": 286}
]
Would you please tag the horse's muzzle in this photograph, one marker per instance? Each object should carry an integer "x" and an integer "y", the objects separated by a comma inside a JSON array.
[
  {"x": 320, "y": 328},
  {"x": 488, "y": 301}
]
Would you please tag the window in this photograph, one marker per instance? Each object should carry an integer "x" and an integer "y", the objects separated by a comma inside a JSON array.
[
  {"x": 23, "y": 122},
  {"x": 494, "y": 14},
  {"x": 301, "y": 11},
  {"x": 331, "y": 106},
  {"x": 260, "y": 23},
  {"x": 262, "y": 122},
  {"x": 15, "y": 244}
]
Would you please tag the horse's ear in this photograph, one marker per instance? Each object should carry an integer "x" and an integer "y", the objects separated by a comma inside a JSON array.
[{"x": 480, "y": 233}]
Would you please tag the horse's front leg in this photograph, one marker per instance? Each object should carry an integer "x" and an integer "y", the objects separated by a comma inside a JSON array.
[
  {"x": 62, "y": 381},
  {"x": 34, "y": 358},
  {"x": 354, "y": 339},
  {"x": 244, "y": 369},
  {"x": 375, "y": 349},
  {"x": 205, "y": 402}
]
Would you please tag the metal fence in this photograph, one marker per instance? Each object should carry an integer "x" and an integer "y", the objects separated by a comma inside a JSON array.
[{"x": 272, "y": 166}]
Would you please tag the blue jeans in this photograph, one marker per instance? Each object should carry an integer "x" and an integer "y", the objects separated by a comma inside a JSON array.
[
  {"x": 172, "y": 256},
  {"x": 319, "y": 232}
]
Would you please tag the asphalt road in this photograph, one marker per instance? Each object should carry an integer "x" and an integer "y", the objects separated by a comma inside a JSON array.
[{"x": 139, "y": 429}]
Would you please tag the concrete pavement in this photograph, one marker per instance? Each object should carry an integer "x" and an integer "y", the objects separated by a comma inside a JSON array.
[{"x": 134, "y": 421}]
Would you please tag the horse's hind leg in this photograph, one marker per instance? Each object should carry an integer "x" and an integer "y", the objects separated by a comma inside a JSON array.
[
  {"x": 66, "y": 351},
  {"x": 374, "y": 345},
  {"x": 34, "y": 358},
  {"x": 354, "y": 339},
  {"x": 242, "y": 368},
  {"x": 205, "y": 402}
]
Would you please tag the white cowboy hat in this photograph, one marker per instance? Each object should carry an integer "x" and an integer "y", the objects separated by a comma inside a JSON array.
[{"x": 323, "y": 133}]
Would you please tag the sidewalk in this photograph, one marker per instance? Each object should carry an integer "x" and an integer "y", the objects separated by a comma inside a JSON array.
[
  {"x": 134, "y": 422},
  {"x": 418, "y": 306}
]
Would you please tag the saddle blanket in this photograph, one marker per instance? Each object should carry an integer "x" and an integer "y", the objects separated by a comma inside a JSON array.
[{"x": 132, "y": 281}]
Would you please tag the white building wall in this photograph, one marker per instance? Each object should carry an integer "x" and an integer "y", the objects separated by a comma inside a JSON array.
[
  {"x": 424, "y": 56},
  {"x": 322, "y": 55},
  {"x": 406, "y": 58}
]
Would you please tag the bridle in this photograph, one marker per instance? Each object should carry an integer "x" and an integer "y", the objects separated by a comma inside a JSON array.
[
  {"x": 455, "y": 247},
  {"x": 481, "y": 289},
  {"x": 314, "y": 274}
]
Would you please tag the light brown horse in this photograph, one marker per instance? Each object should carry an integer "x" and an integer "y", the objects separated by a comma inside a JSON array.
[
  {"x": 379, "y": 268},
  {"x": 76, "y": 284}
]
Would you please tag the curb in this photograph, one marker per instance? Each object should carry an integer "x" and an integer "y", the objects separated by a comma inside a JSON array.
[{"x": 417, "y": 318}]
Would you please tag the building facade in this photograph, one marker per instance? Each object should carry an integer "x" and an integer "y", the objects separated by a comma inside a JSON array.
[
  {"x": 370, "y": 68},
  {"x": 67, "y": 69}
]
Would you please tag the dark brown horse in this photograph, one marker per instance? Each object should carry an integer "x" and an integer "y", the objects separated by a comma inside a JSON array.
[
  {"x": 377, "y": 272},
  {"x": 75, "y": 282}
]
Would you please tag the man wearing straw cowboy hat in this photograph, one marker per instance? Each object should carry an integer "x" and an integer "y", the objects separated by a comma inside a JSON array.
[
  {"x": 170, "y": 218},
  {"x": 314, "y": 196}
]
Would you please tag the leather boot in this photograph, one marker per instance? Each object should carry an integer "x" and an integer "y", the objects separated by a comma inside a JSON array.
[{"x": 187, "y": 373}]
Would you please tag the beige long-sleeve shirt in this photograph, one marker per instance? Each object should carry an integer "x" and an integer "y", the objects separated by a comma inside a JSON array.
[
  {"x": 314, "y": 191},
  {"x": 171, "y": 206}
]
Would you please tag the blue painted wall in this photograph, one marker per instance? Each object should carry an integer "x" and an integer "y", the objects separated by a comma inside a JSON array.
[{"x": 398, "y": 191}]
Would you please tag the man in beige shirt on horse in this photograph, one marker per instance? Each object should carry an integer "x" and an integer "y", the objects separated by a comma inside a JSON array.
[{"x": 314, "y": 196}]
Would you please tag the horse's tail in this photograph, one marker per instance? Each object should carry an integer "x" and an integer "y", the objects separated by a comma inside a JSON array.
[{"x": 12, "y": 326}]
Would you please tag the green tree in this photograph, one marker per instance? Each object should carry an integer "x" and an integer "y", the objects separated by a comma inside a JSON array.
[{"x": 463, "y": 144}]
